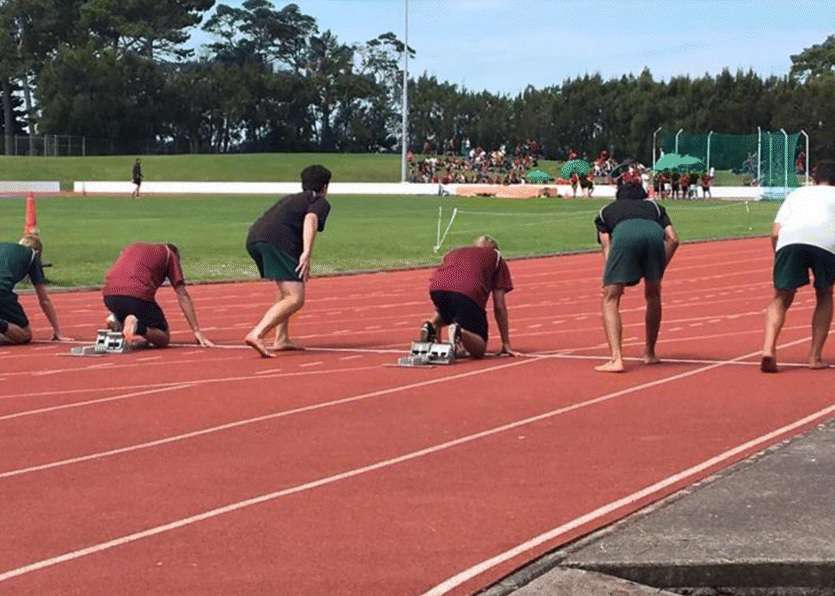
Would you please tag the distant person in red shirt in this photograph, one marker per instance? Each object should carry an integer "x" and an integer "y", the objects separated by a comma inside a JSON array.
[
  {"x": 459, "y": 289},
  {"x": 130, "y": 288},
  {"x": 707, "y": 182}
]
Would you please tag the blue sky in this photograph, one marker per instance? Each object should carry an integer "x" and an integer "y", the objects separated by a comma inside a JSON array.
[{"x": 504, "y": 45}]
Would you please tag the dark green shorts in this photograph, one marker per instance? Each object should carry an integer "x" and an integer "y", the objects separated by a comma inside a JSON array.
[
  {"x": 11, "y": 311},
  {"x": 273, "y": 263},
  {"x": 637, "y": 252},
  {"x": 792, "y": 264}
]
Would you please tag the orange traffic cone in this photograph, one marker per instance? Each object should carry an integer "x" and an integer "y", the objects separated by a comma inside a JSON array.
[{"x": 31, "y": 225}]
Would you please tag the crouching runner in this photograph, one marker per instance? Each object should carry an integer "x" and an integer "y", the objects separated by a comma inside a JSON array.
[
  {"x": 18, "y": 261},
  {"x": 459, "y": 289},
  {"x": 130, "y": 289}
]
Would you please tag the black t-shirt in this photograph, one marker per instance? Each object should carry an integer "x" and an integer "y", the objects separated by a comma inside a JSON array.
[
  {"x": 624, "y": 208},
  {"x": 137, "y": 172},
  {"x": 282, "y": 224}
]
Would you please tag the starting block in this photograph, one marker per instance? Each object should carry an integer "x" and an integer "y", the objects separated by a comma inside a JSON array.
[
  {"x": 107, "y": 342},
  {"x": 424, "y": 353}
]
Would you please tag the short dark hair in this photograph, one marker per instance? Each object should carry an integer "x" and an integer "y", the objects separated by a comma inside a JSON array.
[
  {"x": 173, "y": 248},
  {"x": 315, "y": 178},
  {"x": 825, "y": 172}
]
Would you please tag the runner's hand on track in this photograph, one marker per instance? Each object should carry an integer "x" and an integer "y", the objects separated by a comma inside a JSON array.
[
  {"x": 60, "y": 337},
  {"x": 507, "y": 351},
  {"x": 201, "y": 339},
  {"x": 303, "y": 268}
]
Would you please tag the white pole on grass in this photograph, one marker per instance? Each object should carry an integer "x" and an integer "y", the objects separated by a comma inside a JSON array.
[
  {"x": 438, "y": 230},
  {"x": 654, "y": 134},
  {"x": 404, "y": 143},
  {"x": 680, "y": 130},
  {"x": 805, "y": 134},
  {"x": 710, "y": 134}
]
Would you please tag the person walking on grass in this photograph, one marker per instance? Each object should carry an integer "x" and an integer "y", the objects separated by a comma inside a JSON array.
[
  {"x": 18, "y": 261},
  {"x": 281, "y": 244},
  {"x": 129, "y": 293},
  {"x": 136, "y": 176},
  {"x": 803, "y": 238},
  {"x": 459, "y": 289},
  {"x": 638, "y": 241}
]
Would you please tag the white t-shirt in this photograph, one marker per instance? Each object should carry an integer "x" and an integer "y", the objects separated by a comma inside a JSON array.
[{"x": 807, "y": 216}]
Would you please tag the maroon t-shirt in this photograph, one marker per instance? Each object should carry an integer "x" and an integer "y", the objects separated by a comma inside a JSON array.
[
  {"x": 141, "y": 269},
  {"x": 473, "y": 271}
]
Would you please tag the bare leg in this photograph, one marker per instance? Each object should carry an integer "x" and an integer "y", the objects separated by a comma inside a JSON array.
[
  {"x": 282, "y": 342},
  {"x": 652, "y": 320},
  {"x": 16, "y": 335},
  {"x": 474, "y": 344},
  {"x": 291, "y": 301},
  {"x": 775, "y": 317},
  {"x": 821, "y": 320},
  {"x": 614, "y": 328}
]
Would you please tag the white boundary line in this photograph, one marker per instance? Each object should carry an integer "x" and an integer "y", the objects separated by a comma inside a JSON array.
[
  {"x": 468, "y": 574},
  {"x": 452, "y": 582}
]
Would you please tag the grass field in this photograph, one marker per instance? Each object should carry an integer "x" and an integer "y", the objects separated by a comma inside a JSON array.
[
  {"x": 261, "y": 167},
  {"x": 83, "y": 236}
]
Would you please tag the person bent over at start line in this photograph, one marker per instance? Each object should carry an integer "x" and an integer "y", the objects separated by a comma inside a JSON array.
[
  {"x": 129, "y": 292},
  {"x": 17, "y": 261},
  {"x": 638, "y": 241},
  {"x": 459, "y": 289},
  {"x": 803, "y": 237},
  {"x": 281, "y": 244}
]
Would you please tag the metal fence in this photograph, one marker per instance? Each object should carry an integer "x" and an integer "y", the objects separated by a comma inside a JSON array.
[{"x": 49, "y": 145}]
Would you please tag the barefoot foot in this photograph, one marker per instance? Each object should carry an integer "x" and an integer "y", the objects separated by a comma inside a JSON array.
[
  {"x": 651, "y": 359},
  {"x": 255, "y": 342},
  {"x": 613, "y": 366},
  {"x": 818, "y": 364},
  {"x": 768, "y": 364},
  {"x": 129, "y": 330},
  {"x": 286, "y": 347}
]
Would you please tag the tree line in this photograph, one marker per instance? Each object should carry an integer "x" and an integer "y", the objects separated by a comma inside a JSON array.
[{"x": 120, "y": 73}]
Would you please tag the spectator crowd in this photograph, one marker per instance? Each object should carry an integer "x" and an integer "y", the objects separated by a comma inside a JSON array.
[{"x": 465, "y": 164}]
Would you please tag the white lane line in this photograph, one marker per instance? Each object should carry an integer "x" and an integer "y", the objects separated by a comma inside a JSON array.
[
  {"x": 452, "y": 582},
  {"x": 663, "y": 360},
  {"x": 761, "y": 441},
  {"x": 148, "y": 358},
  {"x": 202, "y": 381},
  {"x": 166, "y": 386},
  {"x": 94, "y": 401},
  {"x": 306, "y": 364},
  {"x": 675, "y": 329},
  {"x": 254, "y": 420},
  {"x": 354, "y": 357},
  {"x": 269, "y": 371}
]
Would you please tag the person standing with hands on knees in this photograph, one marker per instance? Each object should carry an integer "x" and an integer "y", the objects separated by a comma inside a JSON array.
[
  {"x": 803, "y": 237},
  {"x": 638, "y": 241},
  {"x": 281, "y": 244}
]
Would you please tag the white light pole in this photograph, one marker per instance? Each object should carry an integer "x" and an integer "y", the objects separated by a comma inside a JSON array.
[
  {"x": 404, "y": 142},
  {"x": 654, "y": 134},
  {"x": 680, "y": 130}
]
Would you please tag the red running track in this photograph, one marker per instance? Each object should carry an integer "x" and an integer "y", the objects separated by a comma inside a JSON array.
[{"x": 214, "y": 471}]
